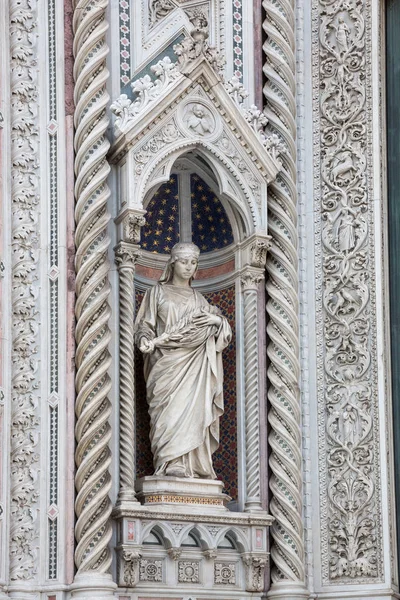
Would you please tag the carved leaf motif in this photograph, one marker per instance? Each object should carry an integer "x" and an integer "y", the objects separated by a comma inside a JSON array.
[{"x": 147, "y": 91}]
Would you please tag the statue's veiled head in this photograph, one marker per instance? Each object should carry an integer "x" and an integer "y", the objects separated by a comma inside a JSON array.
[{"x": 180, "y": 250}]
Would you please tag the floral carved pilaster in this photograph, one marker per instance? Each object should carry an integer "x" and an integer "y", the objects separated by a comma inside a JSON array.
[
  {"x": 126, "y": 255},
  {"x": 349, "y": 419},
  {"x": 25, "y": 239},
  {"x": 250, "y": 280},
  {"x": 287, "y": 551},
  {"x": 93, "y": 409}
]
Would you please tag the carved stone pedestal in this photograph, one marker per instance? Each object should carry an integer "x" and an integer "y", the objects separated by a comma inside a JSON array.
[
  {"x": 182, "y": 494},
  {"x": 187, "y": 550}
]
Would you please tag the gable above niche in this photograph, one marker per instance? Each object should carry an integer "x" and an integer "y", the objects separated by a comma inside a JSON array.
[
  {"x": 157, "y": 23},
  {"x": 188, "y": 107}
]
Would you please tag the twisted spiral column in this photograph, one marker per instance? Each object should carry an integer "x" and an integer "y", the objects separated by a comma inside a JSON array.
[
  {"x": 126, "y": 256},
  {"x": 288, "y": 573},
  {"x": 250, "y": 280},
  {"x": 93, "y": 409}
]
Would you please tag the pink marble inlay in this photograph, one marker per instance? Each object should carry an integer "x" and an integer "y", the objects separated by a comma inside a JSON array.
[
  {"x": 131, "y": 531},
  {"x": 223, "y": 269},
  {"x": 259, "y": 538}
]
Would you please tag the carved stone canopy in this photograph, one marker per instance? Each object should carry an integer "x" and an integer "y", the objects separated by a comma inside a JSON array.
[{"x": 190, "y": 110}]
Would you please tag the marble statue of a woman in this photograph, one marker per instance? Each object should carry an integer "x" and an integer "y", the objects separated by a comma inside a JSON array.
[{"x": 182, "y": 337}]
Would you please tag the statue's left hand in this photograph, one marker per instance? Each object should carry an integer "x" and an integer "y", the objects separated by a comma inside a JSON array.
[
  {"x": 206, "y": 318},
  {"x": 146, "y": 346}
]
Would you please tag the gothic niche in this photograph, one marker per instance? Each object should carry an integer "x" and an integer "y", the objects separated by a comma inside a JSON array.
[
  {"x": 212, "y": 533},
  {"x": 193, "y": 167},
  {"x": 188, "y": 208}
]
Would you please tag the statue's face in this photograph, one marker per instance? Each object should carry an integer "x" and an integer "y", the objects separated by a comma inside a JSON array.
[{"x": 185, "y": 268}]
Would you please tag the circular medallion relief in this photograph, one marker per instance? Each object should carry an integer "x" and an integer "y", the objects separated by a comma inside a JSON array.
[{"x": 198, "y": 120}]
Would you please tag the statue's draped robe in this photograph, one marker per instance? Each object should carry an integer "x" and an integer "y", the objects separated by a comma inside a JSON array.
[{"x": 184, "y": 378}]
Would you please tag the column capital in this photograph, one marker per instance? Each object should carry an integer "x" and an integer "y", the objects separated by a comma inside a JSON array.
[
  {"x": 250, "y": 278},
  {"x": 126, "y": 255}
]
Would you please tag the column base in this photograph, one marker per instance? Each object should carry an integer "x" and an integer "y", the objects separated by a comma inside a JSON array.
[
  {"x": 90, "y": 585},
  {"x": 253, "y": 505},
  {"x": 20, "y": 592},
  {"x": 288, "y": 590},
  {"x": 127, "y": 496}
]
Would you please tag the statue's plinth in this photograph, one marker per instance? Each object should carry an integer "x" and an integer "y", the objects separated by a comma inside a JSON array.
[{"x": 179, "y": 493}]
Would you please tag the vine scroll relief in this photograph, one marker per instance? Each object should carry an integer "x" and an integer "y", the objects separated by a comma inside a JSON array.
[{"x": 348, "y": 458}]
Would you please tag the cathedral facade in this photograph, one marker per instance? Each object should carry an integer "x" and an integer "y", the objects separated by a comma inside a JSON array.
[{"x": 264, "y": 134}]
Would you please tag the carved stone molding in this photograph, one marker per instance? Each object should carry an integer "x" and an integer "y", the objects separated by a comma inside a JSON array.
[
  {"x": 93, "y": 409},
  {"x": 349, "y": 469},
  {"x": 287, "y": 551},
  {"x": 25, "y": 401}
]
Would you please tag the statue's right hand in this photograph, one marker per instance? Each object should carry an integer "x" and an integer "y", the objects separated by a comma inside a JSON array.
[{"x": 146, "y": 346}]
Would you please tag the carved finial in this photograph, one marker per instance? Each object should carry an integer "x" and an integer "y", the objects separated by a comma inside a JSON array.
[
  {"x": 198, "y": 18},
  {"x": 195, "y": 45}
]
